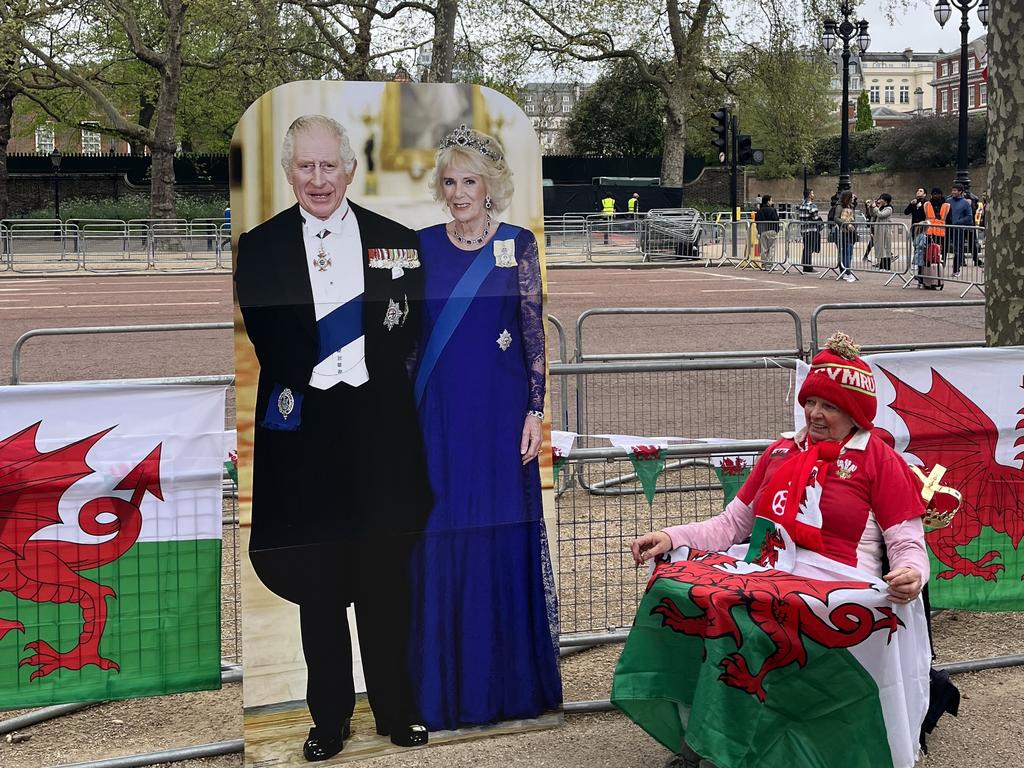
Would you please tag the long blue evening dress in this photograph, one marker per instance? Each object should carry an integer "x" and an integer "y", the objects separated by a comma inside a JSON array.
[{"x": 484, "y": 625}]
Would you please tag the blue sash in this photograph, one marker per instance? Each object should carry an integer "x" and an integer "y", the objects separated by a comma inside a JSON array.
[
  {"x": 455, "y": 309},
  {"x": 340, "y": 327}
]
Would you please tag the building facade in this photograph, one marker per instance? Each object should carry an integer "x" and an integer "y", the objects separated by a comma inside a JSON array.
[
  {"x": 899, "y": 84},
  {"x": 548, "y": 105},
  {"x": 946, "y": 80}
]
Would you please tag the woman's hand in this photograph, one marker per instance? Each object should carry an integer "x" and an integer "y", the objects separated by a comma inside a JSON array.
[
  {"x": 904, "y": 584},
  {"x": 649, "y": 546},
  {"x": 529, "y": 446}
]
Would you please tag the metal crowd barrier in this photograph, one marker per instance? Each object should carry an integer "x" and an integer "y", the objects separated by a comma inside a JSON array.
[
  {"x": 961, "y": 255},
  {"x": 613, "y": 237},
  {"x": 866, "y": 348},
  {"x": 41, "y": 245},
  {"x": 598, "y": 586},
  {"x": 565, "y": 235},
  {"x": 48, "y": 246}
]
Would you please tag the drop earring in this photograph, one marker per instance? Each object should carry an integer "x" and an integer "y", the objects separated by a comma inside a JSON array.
[{"x": 487, "y": 202}]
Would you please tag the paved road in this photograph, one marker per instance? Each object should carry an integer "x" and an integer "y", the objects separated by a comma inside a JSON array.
[{"x": 27, "y": 303}]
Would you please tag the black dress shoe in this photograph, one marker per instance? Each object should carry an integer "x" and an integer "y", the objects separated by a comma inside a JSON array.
[
  {"x": 321, "y": 747},
  {"x": 413, "y": 735}
]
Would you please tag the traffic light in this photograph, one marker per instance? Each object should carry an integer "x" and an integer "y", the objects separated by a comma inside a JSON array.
[
  {"x": 721, "y": 131},
  {"x": 747, "y": 155}
]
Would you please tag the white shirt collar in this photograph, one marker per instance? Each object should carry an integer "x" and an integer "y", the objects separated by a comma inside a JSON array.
[{"x": 333, "y": 222}]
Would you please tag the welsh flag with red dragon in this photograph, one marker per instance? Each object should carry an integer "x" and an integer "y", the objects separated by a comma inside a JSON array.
[
  {"x": 963, "y": 410},
  {"x": 110, "y": 541},
  {"x": 756, "y": 666}
]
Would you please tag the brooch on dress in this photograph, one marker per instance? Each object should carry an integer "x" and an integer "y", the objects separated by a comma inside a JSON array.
[
  {"x": 389, "y": 258},
  {"x": 393, "y": 316},
  {"x": 505, "y": 340},
  {"x": 285, "y": 403},
  {"x": 504, "y": 253}
]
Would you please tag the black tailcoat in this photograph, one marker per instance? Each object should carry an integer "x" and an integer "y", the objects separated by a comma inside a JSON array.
[{"x": 353, "y": 472}]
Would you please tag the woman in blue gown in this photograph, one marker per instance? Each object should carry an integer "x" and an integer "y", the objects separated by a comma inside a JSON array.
[{"x": 484, "y": 620}]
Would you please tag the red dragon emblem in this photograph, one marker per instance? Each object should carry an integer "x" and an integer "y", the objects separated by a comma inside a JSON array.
[
  {"x": 947, "y": 428},
  {"x": 775, "y": 602},
  {"x": 47, "y": 571}
]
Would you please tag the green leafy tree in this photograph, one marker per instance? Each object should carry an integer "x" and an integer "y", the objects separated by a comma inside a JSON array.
[
  {"x": 620, "y": 115},
  {"x": 865, "y": 122},
  {"x": 784, "y": 104}
]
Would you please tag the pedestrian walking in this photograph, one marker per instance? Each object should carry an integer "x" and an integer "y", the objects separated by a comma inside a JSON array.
[
  {"x": 961, "y": 217},
  {"x": 880, "y": 213},
  {"x": 845, "y": 217},
  {"x": 810, "y": 230},
  {"x": 767, "y": 229}
]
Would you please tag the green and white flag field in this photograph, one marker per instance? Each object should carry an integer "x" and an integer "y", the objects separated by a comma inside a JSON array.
[{"x": 110, "y": 541}]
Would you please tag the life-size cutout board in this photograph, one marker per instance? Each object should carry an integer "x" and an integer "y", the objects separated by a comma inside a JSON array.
[{"x": 390, "y": 375}]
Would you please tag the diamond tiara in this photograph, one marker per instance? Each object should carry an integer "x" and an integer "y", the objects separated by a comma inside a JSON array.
[{"x": 466, "y": 137}]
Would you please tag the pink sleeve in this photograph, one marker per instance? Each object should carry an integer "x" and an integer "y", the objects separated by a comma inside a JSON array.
[
  {"x": 732, "y": 526},
  {"x": 904, "y": 543}
]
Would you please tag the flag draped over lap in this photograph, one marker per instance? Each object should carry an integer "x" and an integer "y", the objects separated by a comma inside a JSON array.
[
  {"x": 754, "y": 666},
  {"x": 110, "y": 541}
]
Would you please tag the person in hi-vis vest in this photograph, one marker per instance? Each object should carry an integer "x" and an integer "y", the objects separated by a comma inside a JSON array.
[
  {"x": 634, "y": 203},
  {"x": 608, "y": 209}
]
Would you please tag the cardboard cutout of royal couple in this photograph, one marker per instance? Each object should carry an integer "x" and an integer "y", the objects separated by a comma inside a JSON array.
[{"x": 390, "y": 356}]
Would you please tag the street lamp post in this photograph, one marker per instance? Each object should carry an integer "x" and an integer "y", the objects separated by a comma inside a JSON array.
[
  {"x": 943, "y": 10},
  {"x": 55, "y": 159},
  {"x": 847, "y": 31}
]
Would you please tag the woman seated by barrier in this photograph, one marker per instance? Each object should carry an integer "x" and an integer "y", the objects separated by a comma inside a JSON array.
[{"x": 711, "y": 656}]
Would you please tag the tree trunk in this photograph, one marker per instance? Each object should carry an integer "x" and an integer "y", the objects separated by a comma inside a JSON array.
[
  {"x": 674, "y": 150},
  {"x": 161, "y": 203},
  {"x": 1004, "y": 287},
  {"x": 7, "y": 94},
  {"x": 363, "y": 44},
  {"x": 443, "y": 53}
]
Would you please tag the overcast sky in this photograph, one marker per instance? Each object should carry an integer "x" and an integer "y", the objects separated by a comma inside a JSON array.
[{"x": 914, "y": 27}]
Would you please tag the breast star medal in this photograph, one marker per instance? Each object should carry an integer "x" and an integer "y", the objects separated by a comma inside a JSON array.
[
  {"x": 322, "y": 261},
  {"x": 505, "y": 340},
  {"x": 285, "y": 403},
  {"x": 393, "y": 316}
]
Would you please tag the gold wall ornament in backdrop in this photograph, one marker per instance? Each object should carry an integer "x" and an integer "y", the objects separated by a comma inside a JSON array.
[{"x": 415, "y": 117}]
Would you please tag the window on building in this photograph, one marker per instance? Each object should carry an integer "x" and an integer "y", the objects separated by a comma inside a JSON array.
[
  {"x": 984, "y": 93},
  {"x": 943, "y": 101},
  {"x": 945, "y": 69},
  {"x": 904, "y": 94},
  {"x": 44, "y": 138},
  {"x": 956, "y": 67},
  {"x": 855, "y": 83},
  {"x": 529, "y": 98},
  {"x": 835, "y": 84},
  {"x": 970, "y": 98},
  {"x": 890, "y": 94},
  {"x": 873, "y": 94},
  {"x": 956, "y": 98},
  {"x": 91, "y": 139},
  {"x": 566, "y": 103}
]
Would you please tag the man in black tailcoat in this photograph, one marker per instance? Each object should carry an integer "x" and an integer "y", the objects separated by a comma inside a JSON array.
[{"x": 331, "y": 295}]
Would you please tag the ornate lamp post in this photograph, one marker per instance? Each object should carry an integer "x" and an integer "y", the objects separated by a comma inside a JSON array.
[
  {"x": 943, "y": 10},
  {"x": 847, "y": 31}
]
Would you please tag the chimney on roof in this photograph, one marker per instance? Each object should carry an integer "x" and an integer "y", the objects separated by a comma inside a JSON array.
[{"x": 908, "y": 54}]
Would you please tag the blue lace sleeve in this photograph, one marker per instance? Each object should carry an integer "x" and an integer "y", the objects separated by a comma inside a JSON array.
[{"x": 531, "y": 316}]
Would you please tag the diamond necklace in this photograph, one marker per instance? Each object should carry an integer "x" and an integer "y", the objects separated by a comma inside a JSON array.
[{"x": 473, "y": 241}]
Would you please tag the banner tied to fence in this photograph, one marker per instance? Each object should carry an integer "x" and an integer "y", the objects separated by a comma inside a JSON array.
[
  {"x": 110, "y": 541},
  {"x": 963, "y": 410}
]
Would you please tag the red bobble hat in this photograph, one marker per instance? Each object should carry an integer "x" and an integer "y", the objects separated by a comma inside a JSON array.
[{"x": 838, "y": 375}]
